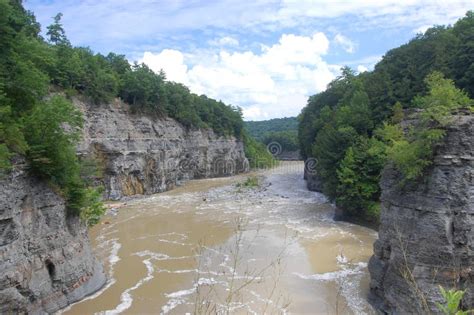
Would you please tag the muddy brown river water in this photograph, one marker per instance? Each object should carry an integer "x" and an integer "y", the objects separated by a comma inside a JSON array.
[{"x": 210, "y": 247}]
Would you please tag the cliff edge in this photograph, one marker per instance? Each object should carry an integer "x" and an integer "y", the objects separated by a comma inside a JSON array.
[
  {"x": 426, "y": 233},
  {"x": 46, "y": 261},
  {"x": 143, "y": 155}
]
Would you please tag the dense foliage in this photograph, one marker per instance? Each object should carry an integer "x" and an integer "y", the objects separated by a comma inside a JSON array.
[
  {"x": 288, "y": 140},
  {"x": 283, "y": 131},
  {"x": 260, "y": 129},
  {"x": 352, "y": 127},
  {"x": 39, "y": 124},
  {"x": 257, "y": 153},
  {"x": 34, "y": 122},
  {"x": 412, "y": 151}
]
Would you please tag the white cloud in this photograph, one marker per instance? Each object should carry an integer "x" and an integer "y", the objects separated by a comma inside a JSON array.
[
  {"x": 422, "y": 29},
  {"x": 345, "y": 43},
  {"x": 362, "y": 68},
  {"x": 112, "y": 23},
  {"x": 224, "y": 41},
  {"x": 397, "y": 12},
  {"x": 253, "y": 113},
  {"x": 170, "y": 61},
  {"x": 276, "y": 79},
  {"x": 272, "y": 83}
]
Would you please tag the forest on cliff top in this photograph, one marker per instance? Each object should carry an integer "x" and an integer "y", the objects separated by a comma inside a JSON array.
[
  {"x": 39, "y": 76},
  {"x": 352, "y": 128}
]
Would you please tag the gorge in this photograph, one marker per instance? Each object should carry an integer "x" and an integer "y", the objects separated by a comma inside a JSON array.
[
  {"x": 122, "y": 191},
  {"x": 46, "y": 259},
  {"x": 216, "y": 245}
]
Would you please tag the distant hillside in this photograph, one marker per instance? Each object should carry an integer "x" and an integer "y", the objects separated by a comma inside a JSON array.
[
  {"x": 258, "y": 129},
  {"x": 280, "y": 135}
]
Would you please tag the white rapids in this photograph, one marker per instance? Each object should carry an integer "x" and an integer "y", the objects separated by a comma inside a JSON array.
[{"x": 213, "y": 246}]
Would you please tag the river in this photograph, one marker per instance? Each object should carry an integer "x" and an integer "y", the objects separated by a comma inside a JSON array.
[{"x": 211, "y": 246}]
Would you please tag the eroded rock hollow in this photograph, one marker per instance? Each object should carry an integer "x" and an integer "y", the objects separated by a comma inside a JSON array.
[{"x": 46, "y": 261}]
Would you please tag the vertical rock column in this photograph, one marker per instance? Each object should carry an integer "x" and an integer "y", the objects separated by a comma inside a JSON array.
[
  {"x": 426, "y": 234},
  {"x": 46, "y": 262}
]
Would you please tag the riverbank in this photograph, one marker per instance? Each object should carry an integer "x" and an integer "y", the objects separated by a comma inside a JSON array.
[{"x": 278, "y": 241}]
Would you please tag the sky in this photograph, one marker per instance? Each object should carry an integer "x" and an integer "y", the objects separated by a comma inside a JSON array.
[{"x": 265, "y": 56}]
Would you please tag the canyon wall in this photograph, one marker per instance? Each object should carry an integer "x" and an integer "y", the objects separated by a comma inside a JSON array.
[
  {"x": 142, "y": 155},
  {"x": 426, "y": 234},
  {"x": 46, "y": 262}
]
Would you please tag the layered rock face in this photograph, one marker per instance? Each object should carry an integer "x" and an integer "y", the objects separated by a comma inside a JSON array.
[
  {"x": 46, "y": 262},
  {"x": 142, "y": 155},
  {"x": 426, "y": 234}
]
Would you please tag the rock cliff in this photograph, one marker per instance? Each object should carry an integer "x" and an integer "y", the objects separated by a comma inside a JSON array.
[
  {"x": 46, "y": 262},
  {"x": 142, "y": 155},
  {"x": 426, "y": 233}
]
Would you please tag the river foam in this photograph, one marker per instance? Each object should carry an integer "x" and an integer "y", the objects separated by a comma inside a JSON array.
[{"x": 188, "y": 241}]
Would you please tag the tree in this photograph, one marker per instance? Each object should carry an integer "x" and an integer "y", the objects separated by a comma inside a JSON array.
[
  {"x": 286, "y": 139},
  {"x": 329, "y": 149},
  {"x": 358, "y": 190},
  {"x": 56, "y": 32},
  {"x": 397, "y": 113},
  {"x": 141, "y": 88},
  {"x": 367, "y": 101},
  {"x": 463, "y": 61},
  {"x": 51, "y": 149}
]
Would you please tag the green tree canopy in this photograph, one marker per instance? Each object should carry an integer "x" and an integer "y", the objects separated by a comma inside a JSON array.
[{"x": 342, "y": 126}]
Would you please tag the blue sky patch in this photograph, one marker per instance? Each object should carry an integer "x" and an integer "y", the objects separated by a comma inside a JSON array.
[{"x": 264, "y": 56}]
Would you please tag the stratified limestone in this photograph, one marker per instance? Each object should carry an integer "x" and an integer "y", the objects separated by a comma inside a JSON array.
[
  {"x": 426, "y": 233},
  {"x": 46, "y": 261},
  {"x": 143, "y": 155}
]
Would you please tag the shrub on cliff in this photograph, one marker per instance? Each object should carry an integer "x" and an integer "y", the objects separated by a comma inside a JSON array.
[
  {"x": 413, "y": 151},
  {"x": 452, "y": 302}
]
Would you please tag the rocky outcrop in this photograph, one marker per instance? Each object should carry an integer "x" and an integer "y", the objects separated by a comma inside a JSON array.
[
  {"x": 46, "y": 262},
  {"x": 426, "y": 234},
  {"x": 313, "y": 181},
  {"x": 143, "y": 155}
]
